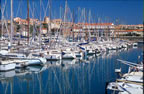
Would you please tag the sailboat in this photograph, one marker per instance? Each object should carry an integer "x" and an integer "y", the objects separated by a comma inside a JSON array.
[
  {"x": 6, "y": 65},
  {"x": 35, "y": 56}
]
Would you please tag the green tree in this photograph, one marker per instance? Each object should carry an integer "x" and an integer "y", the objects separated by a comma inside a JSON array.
[
  {"x": 45, "y": 25},
  {"x": 18, "y": 28},
  {"x": 31, "y": 29}
]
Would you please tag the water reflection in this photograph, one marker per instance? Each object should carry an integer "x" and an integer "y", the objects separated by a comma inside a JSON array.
[{"x": 67, "y": 76}]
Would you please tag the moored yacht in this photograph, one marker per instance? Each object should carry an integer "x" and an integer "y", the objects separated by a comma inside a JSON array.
[
  {"x": 67, "y": 53},
  {"x": 6, "y": 65},
  {"x": 36, "y": 59},
  {"x": 51, "y": 55},
  {"x": 126, "y": 88}
]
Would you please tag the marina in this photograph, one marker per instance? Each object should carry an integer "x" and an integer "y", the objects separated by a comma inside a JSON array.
[
  {"x": 75, "y": 54},
  {"x": 69, "y": 76}
]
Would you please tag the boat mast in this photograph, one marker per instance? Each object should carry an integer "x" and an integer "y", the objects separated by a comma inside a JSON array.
[
  {"x": 40, "y": 28},
  {"x": 78, "y": 21},
  {"x": 99, "y": 28},
  {"x": 2, "y": 27},
  {"x": 85, "y": 21},
  {"x": 73, "y": 20},
  {"x": 11, "y": 23},
  {"x": 65, "y": 19},
  {"x": 28, "y": 20},
  {"x": 33, "y": 21},
  {"x": 2, "y": 20},
  {"x": 50, "y": 31},
  {"x": 89, "y": 29},
  {"x": 61, "y": 33}
]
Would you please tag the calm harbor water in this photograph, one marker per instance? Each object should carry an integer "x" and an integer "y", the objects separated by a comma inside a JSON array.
[{"x": 87, "y": 76}]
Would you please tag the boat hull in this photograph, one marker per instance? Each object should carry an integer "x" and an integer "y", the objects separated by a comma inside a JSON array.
[
  {"x": 53, "y": 58},
  {"x": 7, "y": 67}
]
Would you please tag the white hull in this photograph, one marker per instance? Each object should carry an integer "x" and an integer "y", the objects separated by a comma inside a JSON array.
[
  {"x": 53, "y": 57},
  {"x": 31, "y": 62},
  {"x": 6, "y": 67},
  {"x": 68, "y": 56},
  {"x": 125, "y": 88},
  {"x": 37, "y": 61}
]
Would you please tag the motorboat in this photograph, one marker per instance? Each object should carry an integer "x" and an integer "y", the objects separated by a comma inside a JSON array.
[
  {"x": 67, "y": 53},
  {"x": 126, "y": 88}
]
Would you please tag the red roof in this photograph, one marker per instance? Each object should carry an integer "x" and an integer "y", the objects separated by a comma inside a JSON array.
[{"x": 94, "y": 24}]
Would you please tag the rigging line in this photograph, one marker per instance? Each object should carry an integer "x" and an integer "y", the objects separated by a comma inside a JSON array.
[
  {"x": 33, "y": 9},
  {"x": 40, "y": 26},
  {"x": 45, "y": 10},
  {"x": 7, "y": 29},
  {"x": 67, "y": 80},
  {"x": 33, "y": 33},
  {"x": 92, "y": 70},
  {"x": 21, "y": 11},
  {"x": 6, "y": 25},
  {"x": 40, "y": 82},
  {"x": 79, "y": 20},
  {"x": 37, "y": 14},
  {"x": 5, "y": 4},
  {"x": 3, "y": 9},
  {"x": 6, "y": 88},
  {"x": 57, "y": 80},
  {"x": 47, "y": 7},
  {"x": 127, "y": 62},
  {"x": 62, "y": 12},
  {"x": 30, "y": 9},
  {"x": 18, "y": 9},
  {"x": 71, "y": 16},
  {"x": 42, "y": 6}
]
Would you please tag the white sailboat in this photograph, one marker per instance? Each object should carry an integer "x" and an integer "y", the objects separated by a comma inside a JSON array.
[
  {"x": 35, "y": 59},
  {"x": 67, "y": 53},
  {"x": 52, "y": 55},
  {"x": 7, "y": 65}
]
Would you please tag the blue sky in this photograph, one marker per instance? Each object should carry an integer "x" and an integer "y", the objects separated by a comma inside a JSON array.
[{"x": 124, "y": 11}]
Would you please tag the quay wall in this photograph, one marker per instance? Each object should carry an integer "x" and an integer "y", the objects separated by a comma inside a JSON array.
[{"x": 131, "y": 38}]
